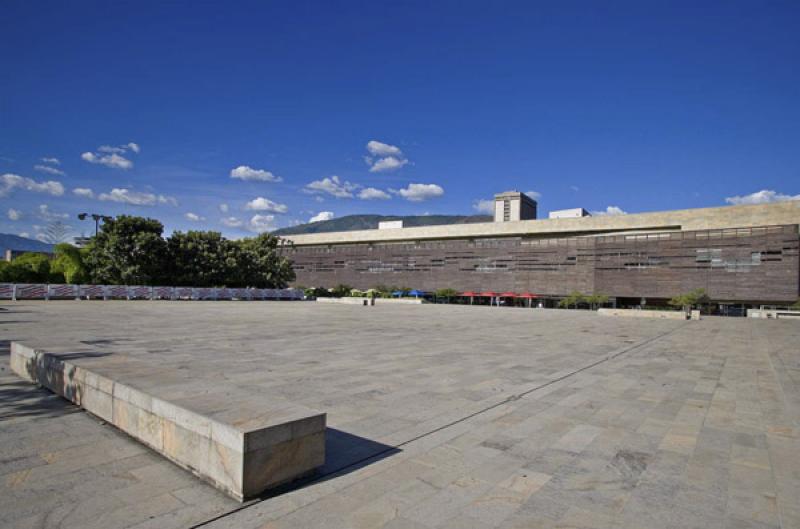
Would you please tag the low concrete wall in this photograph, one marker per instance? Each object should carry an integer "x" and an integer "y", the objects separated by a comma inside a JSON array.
[
  {"x": 348, "y": 301},
  {"x": 373, "y": 301},
  {"x": 658, "y": 314},
  {"x": 399, "y": 301},
  {"x": 774, "y": 314},
  {"x": 254, "y": 451}
]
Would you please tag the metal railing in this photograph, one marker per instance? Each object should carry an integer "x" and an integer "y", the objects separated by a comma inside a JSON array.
[{"x": 18, "y": 291}]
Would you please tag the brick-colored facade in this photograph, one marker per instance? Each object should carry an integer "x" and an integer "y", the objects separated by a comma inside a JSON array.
[{"x": 758, "y": 264}]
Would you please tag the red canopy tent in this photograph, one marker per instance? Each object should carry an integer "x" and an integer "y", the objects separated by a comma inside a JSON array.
[
  {"x": 506, "y": 295},
  {"x": 469, "y": 294},
  {"x": 491, "y": 295},
  {"x": 529, "y": 296}
]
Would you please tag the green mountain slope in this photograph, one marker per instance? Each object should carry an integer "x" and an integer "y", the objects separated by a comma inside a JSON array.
[
  {"x": 369, "y": 222},
  {"x": 15, "y": 242}
]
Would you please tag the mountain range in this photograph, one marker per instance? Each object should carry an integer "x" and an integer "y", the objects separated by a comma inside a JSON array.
[
  {"x": 370, "y": 222},
  {"x": 15, "y": 242}
]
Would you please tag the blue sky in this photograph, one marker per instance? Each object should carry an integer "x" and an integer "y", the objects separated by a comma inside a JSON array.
[{"x": 237, "y": 116}]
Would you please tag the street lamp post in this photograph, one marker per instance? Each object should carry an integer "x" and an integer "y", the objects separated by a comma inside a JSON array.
[{"x": 97, "y": 218}]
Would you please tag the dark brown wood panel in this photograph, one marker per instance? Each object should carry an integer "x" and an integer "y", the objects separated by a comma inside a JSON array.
[{"x": 748, "y": 264}]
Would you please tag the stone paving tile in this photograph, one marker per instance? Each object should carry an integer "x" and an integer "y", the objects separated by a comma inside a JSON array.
[
  {"x": 61, "y": 467},
  {"x": 697, "y": 427}
]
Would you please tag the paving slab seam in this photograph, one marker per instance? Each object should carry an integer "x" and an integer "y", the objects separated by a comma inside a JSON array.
[
  {"x": 771, "y": 360},
  {"x": 512, "y": 398}
]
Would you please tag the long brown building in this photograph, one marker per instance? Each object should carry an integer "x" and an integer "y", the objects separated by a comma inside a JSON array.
[{"x": 739, "y": 254}]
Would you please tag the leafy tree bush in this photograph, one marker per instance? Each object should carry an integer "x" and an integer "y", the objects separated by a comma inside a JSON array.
[
  {"x": 446, "y": 293},
  {"x": 689, "y": 300},
  {"x": 383, "y": 291},
  {"x": 31, "y": 268},
  {"x": 260, "y": 263},
  {"x": 596, "y": 300},
  {"x": 131, "y": 250},
  {"x": 574, "y": 299},
  {"x": 317, "y": 292},
  {"x": 796, "y": 305},
  {"x": 201, "y": 258},
  {"x": 128, "y": 251},
  {"x": 69, "y": 263},
  {"x": 341, "y": 291}
]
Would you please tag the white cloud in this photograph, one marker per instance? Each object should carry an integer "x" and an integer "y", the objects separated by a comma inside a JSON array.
[
  {"x": 245, "y": 172},
  {"x": 420, "y": 192},
  {"x": 332, "y": 186},
  {"x": 611, "y": 211},
  {"x": 319, "y": 199},
  {"x": 9, "y": 182},
  {"x": 136, "y": 198},
  {"x": 83, "y": 192},
  {"x": 120, "y": 149},
  {"x": 49, "y": 170},
  {"x": 14, "y": 214},
  {"x": 575, "y": 188},
  {"x": 46, "y": 214},
  {"x": 24, "y": 234},
  {"x": 322, "y": 215},
  {"x": 262, "y": 223},
  {"x": 765, "y": 196},
  {"x": 484, "y": 206},
  {"x": 232, "y": 222},
  {"x": 51, "y": 161},
  {"x": 265, "y": 204},
  {"x": 110, "y": 149},
  {"x": 115, "y": 161},
  {"x": 377, "y": 148},
  {"x": 194, "y": 217},
  {"x": 534, "y": 194},
  {"x": 390, "y": 163},
  {"x": 112, "y": 156},
  {"x": 371, "y": 193},
  {"x": 223, "y": 208},
  {"x": 384, "y": 157}
]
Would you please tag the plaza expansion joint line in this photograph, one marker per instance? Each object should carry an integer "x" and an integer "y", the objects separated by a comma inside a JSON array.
[{"x": 507, "y": 400}]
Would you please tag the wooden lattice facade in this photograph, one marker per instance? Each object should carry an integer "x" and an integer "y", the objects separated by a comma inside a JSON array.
[{"x": 757, "y": 264}]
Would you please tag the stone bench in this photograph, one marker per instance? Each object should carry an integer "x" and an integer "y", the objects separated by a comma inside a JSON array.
[
  {"x": 653, "y": 314},
  {"x": 242, "y": 450}
]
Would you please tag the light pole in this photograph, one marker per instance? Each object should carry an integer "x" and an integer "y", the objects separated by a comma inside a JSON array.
[{"x": 97, "y": 218}]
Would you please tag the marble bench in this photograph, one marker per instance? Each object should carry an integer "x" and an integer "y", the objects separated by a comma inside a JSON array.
[{"x": 242, "y": 449}]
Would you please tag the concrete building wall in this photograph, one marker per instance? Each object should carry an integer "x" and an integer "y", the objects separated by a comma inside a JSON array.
[{"x": 686, "y": 219}]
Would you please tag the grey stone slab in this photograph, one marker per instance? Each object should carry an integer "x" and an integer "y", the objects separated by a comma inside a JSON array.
[
  {"x": 240, "y": 447},
  {"x": 697, "y": 428}
]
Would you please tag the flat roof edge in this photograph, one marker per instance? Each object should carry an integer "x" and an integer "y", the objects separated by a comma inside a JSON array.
[{"x": 687, "y": 219}]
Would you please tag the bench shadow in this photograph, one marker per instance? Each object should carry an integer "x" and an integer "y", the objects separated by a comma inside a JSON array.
[{"x": 344, "y": 453}]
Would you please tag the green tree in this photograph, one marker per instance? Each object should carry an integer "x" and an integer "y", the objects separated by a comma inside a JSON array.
[
  {"x": 30, "y": 267},
  {"x": 341, "y": 291},
  {"x": 446, "y": 293},
  {"x": 201, "y": 258},
  {"x": 128, "y": 250},
  {"x": 596, "y": 300},
  {"x": 68, "y": 262},
  {"x": 261, "y": 263},
  {"x": 574, "y": 299},
  {"x": 796, "y": 305},
  {"x": 317, "y": 292},
  {"x": 687, "y": 301}
]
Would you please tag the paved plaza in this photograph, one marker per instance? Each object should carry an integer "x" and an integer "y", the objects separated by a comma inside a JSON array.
[{"x": 439, "y": 416}]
